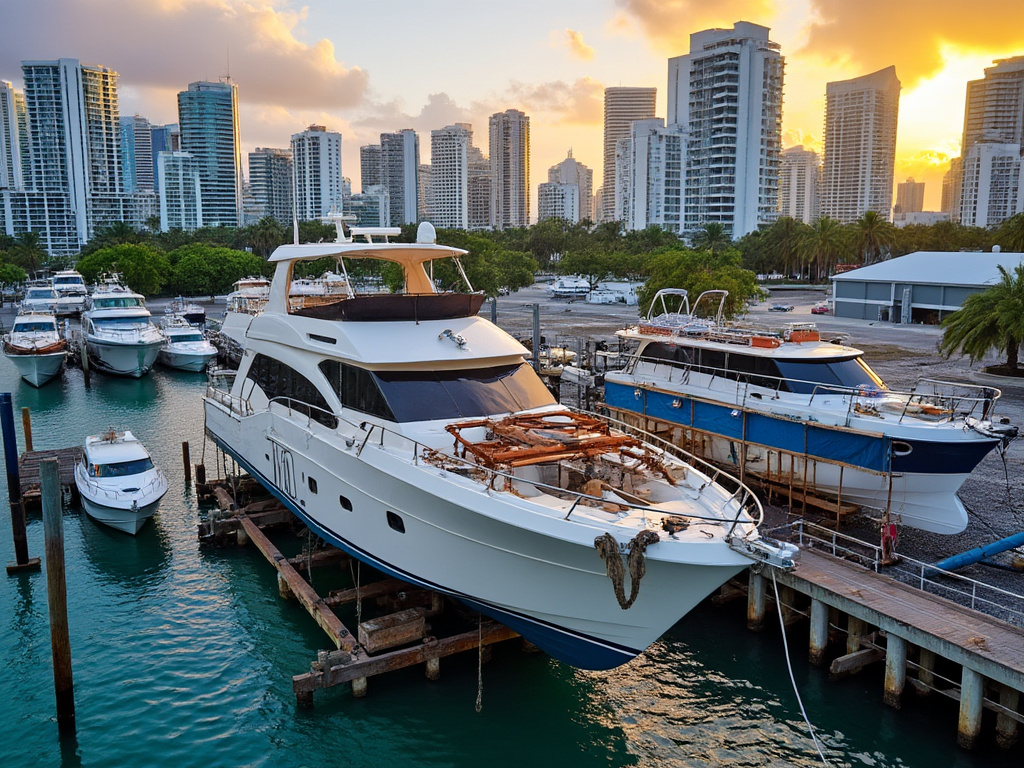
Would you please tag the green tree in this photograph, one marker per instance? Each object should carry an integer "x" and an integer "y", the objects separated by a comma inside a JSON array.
[
  {"x": 142, "y": 267},
  {"x": 26, "y": 252},
  {"x": 990, "y": 320},
  {"x": 11, "y": 274},
  {"x": 1010, "y": 235},
  {"x": 699, "y": 271},
  {"x": 711, "y": 237},
  {"x": 824, "y": 245},
  {"x": 209, "y": 270},
  {"x": 118, "y": 233},
  {"x": 874, "y": 235},
  {"x": 264, "y": 236}
]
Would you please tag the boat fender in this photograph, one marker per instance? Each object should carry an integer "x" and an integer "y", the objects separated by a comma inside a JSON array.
[{"x": 608, "y": 548}]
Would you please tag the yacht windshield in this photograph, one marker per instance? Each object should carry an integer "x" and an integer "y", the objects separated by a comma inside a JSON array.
[
  {"x": 33, "y": 327},
  {"x": 116, "y": 301},
  {"x": 122, "y": 323},
  {"x": 428, "y": 395},
  {"x": 186, "y": 337},
  {"x": 123, "y": 468},
  {"x": 803, "y": 376}
]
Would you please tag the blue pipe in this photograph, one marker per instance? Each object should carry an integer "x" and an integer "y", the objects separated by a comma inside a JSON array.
[{"x": 979, "y": 553}]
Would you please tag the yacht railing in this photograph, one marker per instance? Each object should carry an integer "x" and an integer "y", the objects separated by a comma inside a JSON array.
[
  {"x": 101, "y": 333},
  {"x": 114, "y": 494},
  {"x": 933, "y": 400},
  {"x": 748, "y": 506},
  {"x": 964, "y": 590}
]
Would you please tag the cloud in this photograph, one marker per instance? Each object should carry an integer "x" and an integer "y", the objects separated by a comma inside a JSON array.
[
  {"x": 559, "y": 102},
  {"x": 873, "y": 34},
  {"x": 668, "y": 23},
  {"x": 573, "y": 41},
  {"x": 167, "y": 45}
]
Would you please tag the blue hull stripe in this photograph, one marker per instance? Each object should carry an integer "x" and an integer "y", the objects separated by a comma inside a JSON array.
[
  {"x": 872, "y": 452},
  {"x": 573, "y": 648}
]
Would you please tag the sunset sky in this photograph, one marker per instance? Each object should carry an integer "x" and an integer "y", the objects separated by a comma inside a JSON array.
[{"x": 361, "y": 68}]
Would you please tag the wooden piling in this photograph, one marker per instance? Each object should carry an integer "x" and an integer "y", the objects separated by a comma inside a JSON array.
[
  {"x": 85, "y": 360},
  {"x": 972, "y": 694},
  {"x": 26, "y": 426},
  {"x": 22, "y": 561},
  {"x": 1006, "y": 726},
  {"x": 201, "y": 474},
  {"x": 757, "y": 598},
  {"x": 186, "y": 462},
  {"x": 57, "y": 594},
  {"x": 819, "y": 632},
  {"x": 926, "y": 671},
  {"x": 895, "y": 669}
]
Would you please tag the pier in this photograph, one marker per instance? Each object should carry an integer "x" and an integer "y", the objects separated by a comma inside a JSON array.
[{"x": 397, "y": 635}]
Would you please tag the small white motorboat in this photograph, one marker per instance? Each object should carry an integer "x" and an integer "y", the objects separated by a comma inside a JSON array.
[
  {"x": 185, "y": 346},
  {"x": 36, "y": 347},
  {"x": 193, "y": 313},
  {"x": 118, "y": 482}
]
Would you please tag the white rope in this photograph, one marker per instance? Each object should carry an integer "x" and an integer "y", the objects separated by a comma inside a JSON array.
[
  {"x": 789, "y": 666},
  {"x": 479, "y": 663}
]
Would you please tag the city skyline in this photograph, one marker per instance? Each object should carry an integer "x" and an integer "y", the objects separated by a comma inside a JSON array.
[{"x": 297, "y": 66}]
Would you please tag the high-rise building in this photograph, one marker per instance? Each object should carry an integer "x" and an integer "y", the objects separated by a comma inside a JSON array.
[
  {"x": 400, "y": 161},
  {"x": 208, "y": 117},
  {"x": 572, "y": 172},
  {"x": 799, "y": 177},
  {"x": 12, "y": 130},
  {"x": 621, "y": 107},
  {"x": 558, "y": 201},
  {"x": 952, "y": 181},
  {"x": 370, "y": 207},
  {"x": 316, "y": 163},
  {"x": 426, "y": 194},
  {"x": 649, "y": 172},
  {"x": 137, "y": 154},
  {"x": 510, "y": 169},
  {"x": 991, "y": 187},
  {"x": 271, "y": 184},
  {"x": 370, "y": 166},
  {"x": 181, "y": 197},
  {"x": 860, "y": 145},
  {"x": 449, "y": 176},
  {"x": 994, "y": 110},
  {"x": 727, "y": 94},
  {"x": 909, "y": 197},
  {"x": 166, "y": 138}
]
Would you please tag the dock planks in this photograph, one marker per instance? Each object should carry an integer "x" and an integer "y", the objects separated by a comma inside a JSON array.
[{"x": 30, "y": 461}]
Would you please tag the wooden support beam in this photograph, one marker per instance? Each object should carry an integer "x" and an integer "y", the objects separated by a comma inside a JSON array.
[
  {"x": 972, "y": 693},
  {"x": 854, "y": 662},
  {"x": 365, "y": 591},
  {"x": 895, "y": 669},
  {"x": 1006, "y": 726},
  {"x": 306, "y": 595}
]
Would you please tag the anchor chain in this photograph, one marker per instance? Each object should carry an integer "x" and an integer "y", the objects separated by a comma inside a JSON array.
[{"x": 608, "y": 548}]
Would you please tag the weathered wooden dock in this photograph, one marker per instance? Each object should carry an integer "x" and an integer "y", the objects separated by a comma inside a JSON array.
[
  {"x": 400, "y": 637},
  {"x": 28, "y": 471},
  {"x": 910, "y": 629}
]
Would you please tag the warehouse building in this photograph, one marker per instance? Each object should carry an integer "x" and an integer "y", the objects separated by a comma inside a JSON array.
[{"x": 921, "y": 287}]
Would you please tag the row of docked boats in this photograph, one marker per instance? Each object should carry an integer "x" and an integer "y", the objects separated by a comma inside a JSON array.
[{"x": 119, "y": 336}]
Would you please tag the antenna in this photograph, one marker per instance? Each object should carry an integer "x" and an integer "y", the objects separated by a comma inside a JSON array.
[
  {"x": 295, "y": 209},
  {"x": 227, "y": 53}
]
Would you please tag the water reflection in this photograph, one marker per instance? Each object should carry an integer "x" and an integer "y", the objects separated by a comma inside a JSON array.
[{"x": 131, "y": 562}]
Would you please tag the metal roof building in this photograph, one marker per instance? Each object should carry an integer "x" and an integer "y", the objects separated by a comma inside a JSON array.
[{"x": 921, "y": 287}]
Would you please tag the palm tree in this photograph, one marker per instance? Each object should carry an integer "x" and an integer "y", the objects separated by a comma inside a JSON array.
[
  {"x": 265, "y": 235},
  {"x": 824, "y": 246},
  {"x": 711, "y": 237},
  {"x": 1010, "y": 236},
  {"x": 990, "y": 320},
  {"x": 873, "y": 234},
  {"x": 26, "y": 251}
]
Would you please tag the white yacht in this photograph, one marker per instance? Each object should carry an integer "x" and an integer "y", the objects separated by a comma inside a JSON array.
[
  {"x": 72, "y": 293},
  {"x": 39, "y": 298},
  {"x": 120, "y": 337},
  {"x": 784, "y": 406},
  {"x": 36, "y": 347},
  {"x": 190, "y": 311},
  {"x": 185, "y": 346},
  {"x": 409, "y": 432},
  {"x": 117, "y": 481},
  {"x": 569, "y": 288}
]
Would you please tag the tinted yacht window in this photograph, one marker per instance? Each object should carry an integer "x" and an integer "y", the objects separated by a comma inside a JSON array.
[
  {"x": 282, "y": 382},
  {"x": 805, "y": 376}
]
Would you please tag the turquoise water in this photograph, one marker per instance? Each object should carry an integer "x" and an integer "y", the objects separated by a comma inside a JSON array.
[{"x": 183, "y": 656}]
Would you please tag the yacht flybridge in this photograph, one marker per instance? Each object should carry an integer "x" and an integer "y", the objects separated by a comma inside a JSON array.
[{"x": 408, "y": 431}]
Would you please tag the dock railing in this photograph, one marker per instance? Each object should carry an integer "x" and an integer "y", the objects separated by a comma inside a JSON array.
[{"x": 977, "y": 595}]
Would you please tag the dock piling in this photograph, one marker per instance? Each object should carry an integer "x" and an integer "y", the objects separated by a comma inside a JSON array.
[
  {"x": 972, "y": 693},
  {"x": 1006, "y": 726},
  {"x": 819, "y": 632},
  {"x": 26, "y": 427},
  {"x": 186, "y": 461},
  {"x": 895, "y": 669},
  {"x": 57, "y": 594},
  {"x": 22, "y": 561},
  {"x": 757, "y": 599}
]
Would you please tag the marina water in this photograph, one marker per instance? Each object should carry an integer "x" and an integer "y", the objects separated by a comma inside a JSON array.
[{"x": 183, "y": 656}]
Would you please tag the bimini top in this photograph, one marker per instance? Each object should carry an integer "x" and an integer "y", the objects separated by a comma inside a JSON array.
[{"x": 420, "y": 299}]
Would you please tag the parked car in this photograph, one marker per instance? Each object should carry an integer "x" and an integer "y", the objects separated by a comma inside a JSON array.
[
  {"x": 820, "y": 308},
  {"x": 780, "y": 308}
]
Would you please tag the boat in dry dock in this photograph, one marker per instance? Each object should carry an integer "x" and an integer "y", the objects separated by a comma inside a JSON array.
[
  {"x": 409, "y": 432},
  {"x": 788, "y": 405}
]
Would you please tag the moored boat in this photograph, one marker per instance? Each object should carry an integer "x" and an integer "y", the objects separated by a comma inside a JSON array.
[
  {"x": 185, "y": 346},
  {"x": 120, "y": 337},
  {"x": 117, "y": 481},
  {"x": 191, "y": 312},
  {"x": 409, "y": 432},
  {"x": 36, "y": 347},
  {"x": 72, "y": 293},
  {"x": 784, "y": 405}
]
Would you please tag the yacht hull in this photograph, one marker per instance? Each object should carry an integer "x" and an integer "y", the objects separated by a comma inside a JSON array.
[
  {"x": 123, "y": 519},
  {"x": 133, "y": 359},
  {"x": 186, "y": 360},
  {"x": 37, "y": 370},
  {"x": 538, "y": 574},
  {"x": 916, "y": 472}
]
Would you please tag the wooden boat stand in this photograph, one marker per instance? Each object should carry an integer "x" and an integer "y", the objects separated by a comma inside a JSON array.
[{"x": 400, "y": 637}]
